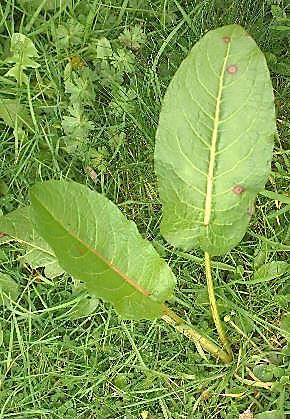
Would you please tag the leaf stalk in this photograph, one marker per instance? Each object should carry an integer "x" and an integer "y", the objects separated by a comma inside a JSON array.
[
  {"x": 177, "y": 322},
  {"x": 214, "y": 307}
]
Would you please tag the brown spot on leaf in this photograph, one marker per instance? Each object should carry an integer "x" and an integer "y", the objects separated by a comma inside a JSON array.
[
  {"x": 238, "y": 189},
  {"x": 81, "y": 250},
  {"x": 2, "y": 234},
  {"x": 232, "y": 69},
  {"x": 226, "y": 39}
]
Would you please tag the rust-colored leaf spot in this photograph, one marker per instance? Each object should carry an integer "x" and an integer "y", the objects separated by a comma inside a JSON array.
[
  {"x": 238, "y": 189},
  {"x": 82, "y": 250},
  {"x": 232, "y": 69},
  {"x": 226, "y": 39},
  {"x": 2, "y": 234}
]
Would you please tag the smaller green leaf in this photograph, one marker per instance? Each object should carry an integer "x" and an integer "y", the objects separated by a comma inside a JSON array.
[
  {"x": 271, "y": 271},
  {"x": 96, "y": 244},
  {"x": 20, "y": 44},
  {"x": 23, "y": 51}
]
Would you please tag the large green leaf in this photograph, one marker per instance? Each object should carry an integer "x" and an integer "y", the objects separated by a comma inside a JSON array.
[
  {"x": 95, "y": 243},
  {"x": 214, "y": 141},
  {"x": 17, "y": 226}
]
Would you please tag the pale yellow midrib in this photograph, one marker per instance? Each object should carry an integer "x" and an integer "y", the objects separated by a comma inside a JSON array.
[{"x": 208, "y": 197}]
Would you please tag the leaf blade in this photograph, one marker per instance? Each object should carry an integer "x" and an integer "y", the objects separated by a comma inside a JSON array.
[
  {"x": 106, "y": 252},
  {"x": 213, "y": 149}
]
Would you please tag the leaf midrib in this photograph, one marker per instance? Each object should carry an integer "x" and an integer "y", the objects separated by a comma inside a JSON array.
[{"x": 210, "y": 177}]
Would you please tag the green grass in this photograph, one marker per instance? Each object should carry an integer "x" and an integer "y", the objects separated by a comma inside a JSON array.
[{"x": 55, "y": 365}]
